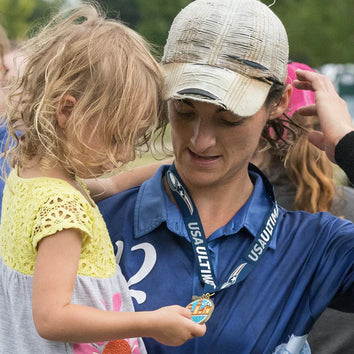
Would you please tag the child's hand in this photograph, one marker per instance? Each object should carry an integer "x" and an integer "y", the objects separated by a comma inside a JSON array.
[{"x": 173, "y": 326}]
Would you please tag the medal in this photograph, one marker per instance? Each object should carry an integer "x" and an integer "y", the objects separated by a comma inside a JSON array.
[{"x": 201, "y": 307}]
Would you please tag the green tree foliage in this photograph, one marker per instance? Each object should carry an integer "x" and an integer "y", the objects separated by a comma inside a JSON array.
[
  {"x": 151, "y": 18},
  {"x": 125, "y": 10},
  {"x": 320, "y": 31},
  {"x": 157, "y": 17},
  {"x": 18, "y": 16}
]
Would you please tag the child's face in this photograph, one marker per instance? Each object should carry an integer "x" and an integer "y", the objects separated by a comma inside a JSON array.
[{"x": 97, "y": 152}]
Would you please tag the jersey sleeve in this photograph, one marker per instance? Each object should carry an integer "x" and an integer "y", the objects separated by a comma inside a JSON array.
[{"x": 334, "y": 278}]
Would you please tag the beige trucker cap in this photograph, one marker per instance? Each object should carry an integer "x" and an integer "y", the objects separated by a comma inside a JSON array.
[{"x": 227, "y": 52}]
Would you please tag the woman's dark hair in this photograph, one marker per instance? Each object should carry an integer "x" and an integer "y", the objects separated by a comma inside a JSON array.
[{"x": 279, "y": 133}]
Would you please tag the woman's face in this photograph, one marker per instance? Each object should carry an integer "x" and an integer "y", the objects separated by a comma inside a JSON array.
[{"x": 211, "y": 145}]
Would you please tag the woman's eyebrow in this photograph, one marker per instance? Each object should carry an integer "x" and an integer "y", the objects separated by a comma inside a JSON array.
[{"x": 186, "y": 101}]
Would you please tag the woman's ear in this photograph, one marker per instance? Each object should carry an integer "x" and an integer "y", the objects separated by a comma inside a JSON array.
[
  {"x": 66, "y": 105},
  {"x": 283, "y": 103}
]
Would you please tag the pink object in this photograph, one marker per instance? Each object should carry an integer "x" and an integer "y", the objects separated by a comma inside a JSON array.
[
  {"x": 299, "y": 98},
  {"x": 93, "y": 348}
]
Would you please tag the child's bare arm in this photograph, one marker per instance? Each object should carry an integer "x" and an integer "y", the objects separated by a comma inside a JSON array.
[
  {"x": 57, "y": 319},
  {"x": 102, "y": 188}
]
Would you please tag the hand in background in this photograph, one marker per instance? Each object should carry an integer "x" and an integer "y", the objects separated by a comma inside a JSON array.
[{"x": 330, "y": 108}]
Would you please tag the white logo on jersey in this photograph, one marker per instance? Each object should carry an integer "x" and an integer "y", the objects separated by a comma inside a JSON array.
[
  {"x": 148, "y": 263},
  {"x": 296, "y": 345}
]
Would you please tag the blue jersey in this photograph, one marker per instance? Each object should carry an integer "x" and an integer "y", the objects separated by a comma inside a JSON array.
[{"x": 309, "y": 265}]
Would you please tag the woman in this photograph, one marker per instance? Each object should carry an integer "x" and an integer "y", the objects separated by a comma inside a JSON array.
[{"x": 269, "y": 272}]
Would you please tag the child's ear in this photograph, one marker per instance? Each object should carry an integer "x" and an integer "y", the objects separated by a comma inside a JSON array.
[
  {"x": 66, "y": 105},
  {"x": 283, "y": 103}
]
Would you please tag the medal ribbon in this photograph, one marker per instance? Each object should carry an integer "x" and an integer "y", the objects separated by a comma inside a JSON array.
[{"x": 194, "y": 227}]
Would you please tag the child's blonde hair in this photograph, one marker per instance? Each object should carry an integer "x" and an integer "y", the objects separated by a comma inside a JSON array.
[{"x": 108, "y": 69}]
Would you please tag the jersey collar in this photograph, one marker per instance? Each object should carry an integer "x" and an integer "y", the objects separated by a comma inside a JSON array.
[{"x": 153, "y": 207}]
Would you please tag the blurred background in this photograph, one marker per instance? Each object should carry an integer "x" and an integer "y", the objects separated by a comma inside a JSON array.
[{"x": 321, "y": 32}]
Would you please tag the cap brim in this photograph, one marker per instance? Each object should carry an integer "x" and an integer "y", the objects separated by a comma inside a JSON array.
[{"x": 235, "y": 92}]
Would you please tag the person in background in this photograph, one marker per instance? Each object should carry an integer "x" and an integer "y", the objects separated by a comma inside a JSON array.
[
  {"x": 302, "y": 177},
  {"x": 4, "y": 73},
  {"x": 207, "y": 232},
  {"x": 89, "y": 97},
  {"x": 4, "y": 48},
  {"x": 301, "y": 174}
]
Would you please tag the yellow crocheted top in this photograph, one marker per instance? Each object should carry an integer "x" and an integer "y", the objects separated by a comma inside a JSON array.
[{"x": 34, "y": 208}]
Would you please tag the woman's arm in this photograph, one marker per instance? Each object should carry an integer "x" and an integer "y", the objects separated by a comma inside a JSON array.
[
  {"x": 56, "y": 318},
  {"x": 344, "y": 155},
  {"x": 102, "y": 188}
]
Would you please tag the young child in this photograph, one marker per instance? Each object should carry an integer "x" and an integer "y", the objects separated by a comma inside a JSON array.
[{"x": 88, "y": 98}]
